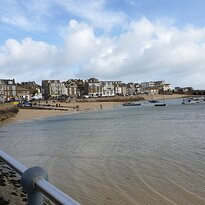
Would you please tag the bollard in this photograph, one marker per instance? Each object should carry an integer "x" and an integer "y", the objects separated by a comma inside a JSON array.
[{"x": 28, "y": 179}]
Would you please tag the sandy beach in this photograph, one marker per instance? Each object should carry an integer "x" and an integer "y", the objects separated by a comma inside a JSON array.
[
  {"x": 27, "y": 114},
  {"x": 166, "y": 97}
]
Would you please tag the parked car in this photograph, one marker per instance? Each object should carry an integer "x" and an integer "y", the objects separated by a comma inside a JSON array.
[{"x": 25, "y": 104}]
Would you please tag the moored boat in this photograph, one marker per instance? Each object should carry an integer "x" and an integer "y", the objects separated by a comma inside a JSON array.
[
  {"x": 189, "y": 101},
  {"x": 153, "y": 101},
  {"x": 131, "y": 104},
  {"x": 160, "y": 104}
]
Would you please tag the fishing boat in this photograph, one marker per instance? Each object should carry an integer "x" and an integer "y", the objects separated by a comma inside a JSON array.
[{"x": 131, "y": 104}]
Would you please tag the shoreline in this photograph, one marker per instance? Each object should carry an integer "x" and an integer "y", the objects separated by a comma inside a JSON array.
[
  {"x": 166, "y": 97},
  {"x": 33, "y": 114},
  {"x": 76, "y": 107}
]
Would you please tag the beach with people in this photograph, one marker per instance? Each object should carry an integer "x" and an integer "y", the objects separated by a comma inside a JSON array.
[{"x": 45, "y": 109}]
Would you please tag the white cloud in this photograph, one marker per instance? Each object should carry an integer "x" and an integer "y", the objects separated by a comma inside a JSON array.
[
  {"x": 28, "y": 51},
  {"x": 133, "y": 2},
  {"x": 146, "y": 51},
  {"x": 26, "y": 15},
  {"x": 80, "y": 43},
  {"x": 95, "y": 12},
  {"x": 26, "y": 59},
  {"x": 38, "y": 15},
  {"x": 149, "y": 51}
]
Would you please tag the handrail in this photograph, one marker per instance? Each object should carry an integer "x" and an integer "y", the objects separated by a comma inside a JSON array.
[
  {"x": 17, "y": 166},
  {"x": 53, "y": 193},
  {"x": 34, "y": 182}
]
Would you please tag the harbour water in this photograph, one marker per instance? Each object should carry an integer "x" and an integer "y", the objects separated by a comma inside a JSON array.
[{"x": 127, "y": 155}]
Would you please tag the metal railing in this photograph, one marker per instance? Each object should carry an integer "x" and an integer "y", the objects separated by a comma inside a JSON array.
[{"x": 34, "y": 182}]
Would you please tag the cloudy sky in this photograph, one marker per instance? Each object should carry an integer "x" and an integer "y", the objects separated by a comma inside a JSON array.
[{"x": 129, "y": 40}]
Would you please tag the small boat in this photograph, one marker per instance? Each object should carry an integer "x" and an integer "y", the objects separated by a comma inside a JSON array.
[
  {"x": 131, "y": 104},
  {"x": 199, "y": 99},
  {"x": 153, "y": 101},
  {"x": 160, "y": 104},
  {"x": 189, "y": 101}
]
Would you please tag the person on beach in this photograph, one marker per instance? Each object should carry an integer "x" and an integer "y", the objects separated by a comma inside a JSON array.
[{"x": 77, "y": 107}]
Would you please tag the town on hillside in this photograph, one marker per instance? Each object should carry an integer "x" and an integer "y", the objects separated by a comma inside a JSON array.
[{"x": 77, "y": 88}]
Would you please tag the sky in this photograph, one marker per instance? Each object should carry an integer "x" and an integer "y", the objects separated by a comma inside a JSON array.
[{"x": 128, "y": 40}]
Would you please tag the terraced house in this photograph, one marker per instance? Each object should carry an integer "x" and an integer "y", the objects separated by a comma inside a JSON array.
[
  {"x": 53, "y": 89},
  {"x": 93, "y": 88},
  {"x": 22, "y": 92},
  {"x": 7, "y": 89},
  {"x": 108, "y": 89},
  {"x": 71, "y": 86}
]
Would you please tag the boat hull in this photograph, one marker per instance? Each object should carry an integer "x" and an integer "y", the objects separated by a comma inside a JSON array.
[
  {"x": 160, "y": 105},
  {"x": 132, "y": 104},
  {"x": 153, "y": 101}
]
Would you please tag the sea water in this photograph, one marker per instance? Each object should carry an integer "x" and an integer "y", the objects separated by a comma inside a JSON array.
[{"x": 126, "y": 155}]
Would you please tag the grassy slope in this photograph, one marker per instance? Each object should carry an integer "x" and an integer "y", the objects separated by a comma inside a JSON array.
[{"x": 7, "y": 110}]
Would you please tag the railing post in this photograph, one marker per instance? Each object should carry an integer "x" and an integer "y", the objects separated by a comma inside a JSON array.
[{"x": 28, "y": 180}]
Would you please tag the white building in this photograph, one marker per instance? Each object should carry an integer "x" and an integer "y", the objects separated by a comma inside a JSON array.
[
  {"x": 166, "y": 87},
  {"x": 147, "y": 84},
  {"x": 93, "y": 88},
  {"x": 120, "y": 89},
  {"x": 151, "y": 91},
  {"x": 72, "y": 88},
  {"x": 53, "y": 89},
  {"x": 7, "y": 89},
  {"x": 152, "y": 84},
  {"x": 108, "y": 89}
]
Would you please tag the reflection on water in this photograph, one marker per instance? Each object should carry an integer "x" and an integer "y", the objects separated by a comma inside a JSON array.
[{"x": 128, "y": 155}]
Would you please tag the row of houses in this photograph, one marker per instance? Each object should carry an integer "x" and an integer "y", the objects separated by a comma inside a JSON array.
[
  {"x": 79, "y": 88},
  {"x": 52, "y": 89},
  {"x": 96, "y": 88},
  {"x": 183, "y": 89},
  {"x": 10, "y": 90}
]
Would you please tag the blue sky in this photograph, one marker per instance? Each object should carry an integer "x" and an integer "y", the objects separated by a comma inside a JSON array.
[
  {"x": 130, "y": 40},
  {"x": 182, "y": 12},
  {"x": 54, "y": 15}
]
